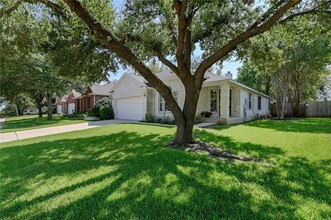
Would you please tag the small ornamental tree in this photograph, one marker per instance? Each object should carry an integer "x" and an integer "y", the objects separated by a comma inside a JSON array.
[{"x": 145, "y": 30}]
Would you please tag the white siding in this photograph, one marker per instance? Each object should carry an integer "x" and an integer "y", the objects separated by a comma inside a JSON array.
[
  {"x": 175, "y": 85},
  {"x": 251, "y": 113},
  {"x": 129, "y": 90},
  {"x": 128, "y": 87}
]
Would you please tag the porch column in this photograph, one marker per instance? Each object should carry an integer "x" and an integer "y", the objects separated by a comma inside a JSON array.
[{"x": 225, "y": 102}]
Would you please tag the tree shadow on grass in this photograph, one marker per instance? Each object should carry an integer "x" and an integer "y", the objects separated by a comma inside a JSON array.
[
  {"x": 309, "y": 125},
  {"x": 129, "y": 175},
  {"x": 227, "y": 143}
]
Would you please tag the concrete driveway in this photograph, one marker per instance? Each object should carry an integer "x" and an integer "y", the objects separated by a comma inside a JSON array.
[{"x": 19, "y": 135}]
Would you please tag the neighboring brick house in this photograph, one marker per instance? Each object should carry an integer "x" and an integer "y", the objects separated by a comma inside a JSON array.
[
  {"x": 91, "y": 95},
  {"x": 81, "y": 103},
  {"x": 228, "y": 101},
  {"x": 67, "y": 103}
]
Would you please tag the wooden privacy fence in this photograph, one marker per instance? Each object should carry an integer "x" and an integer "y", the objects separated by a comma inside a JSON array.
[{"x": 307, "y": 109}]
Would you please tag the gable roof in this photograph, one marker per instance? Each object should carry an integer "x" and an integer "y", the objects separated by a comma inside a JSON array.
[
  {"x": 168, "y": 74},
  {"x": 101, "y": 89},
  {"x": 75, "y": 93},
  {"x": 137, "y": 78}
]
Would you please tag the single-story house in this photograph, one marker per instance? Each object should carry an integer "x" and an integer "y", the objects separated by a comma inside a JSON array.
[
  {"x": 91, "y": 95},
  {"x": 228, "y": 101},
  {"x": 81, "y": 103},
  {"x": 66, "y": 104}
]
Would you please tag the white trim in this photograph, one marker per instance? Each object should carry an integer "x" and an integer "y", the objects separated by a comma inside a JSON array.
[{"x": 122, "y": 78}]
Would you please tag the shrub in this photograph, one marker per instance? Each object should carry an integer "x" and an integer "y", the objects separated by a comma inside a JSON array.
[
  {"x": 167, "y": 120},
  {"x": 106, "y": 112},
  {"x": 197, "y": 119},
  {"x": 150, "y": 118},
  {"x": 90, "y": 113},
  {"x": 96, "y": 111},
  {"x": 206, "y": 114},
  {"x": 75, "y": 115},
  {"x": 9, "y": 110},
  {"x": 105, "y": 101}
]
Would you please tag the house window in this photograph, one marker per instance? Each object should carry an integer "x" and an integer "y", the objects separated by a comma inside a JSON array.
[
  {"x": 249, "y": 100},
  {"x": 259, "y": 99},
  {"x": 163, "y": 105},
  {"x": 213, "y": 100}
]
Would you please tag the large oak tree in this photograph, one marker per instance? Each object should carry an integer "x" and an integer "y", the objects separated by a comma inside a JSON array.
[{"x": 166, "y": 30}]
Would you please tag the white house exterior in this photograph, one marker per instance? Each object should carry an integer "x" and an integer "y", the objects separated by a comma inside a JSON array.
[{"x": 229, "y": 101}]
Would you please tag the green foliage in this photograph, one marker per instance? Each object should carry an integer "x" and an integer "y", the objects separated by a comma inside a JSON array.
[
  {"x": 197, "y": 119},
  {"x": 301, "y": 48},
  {"x": 205, "y": 114},
  {"x": 9, "y": 110},
  {"x": 150, "y": 118},
  {"x": 250, "y": 76},
  {"x": 90, "y": 174},
  {"x": 92, "y": 112},
  {"x": 106, "y": 112},
  {"x": 103, "y": 102},
  {"x": 74, "y": 115}
]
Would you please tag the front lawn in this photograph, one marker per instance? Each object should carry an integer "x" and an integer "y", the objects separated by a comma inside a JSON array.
[
  {"x": 124, "y": 172},
  {"x": 28, "y": 122}
]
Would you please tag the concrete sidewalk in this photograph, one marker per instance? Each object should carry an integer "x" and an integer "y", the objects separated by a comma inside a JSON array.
[{"x": 18, "y": 135}]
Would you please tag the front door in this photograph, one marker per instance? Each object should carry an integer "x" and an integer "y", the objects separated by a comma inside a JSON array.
[{"x": 214, "y": 102}]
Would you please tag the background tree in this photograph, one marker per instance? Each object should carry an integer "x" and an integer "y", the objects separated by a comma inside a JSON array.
[
  {"x": 308, "y": 67},
  {"x": 249, "y": 75},
  {"x": 27, "y": 64},
  {"x": 300, "y": 49},
  {"x": 168, "y": 31}
]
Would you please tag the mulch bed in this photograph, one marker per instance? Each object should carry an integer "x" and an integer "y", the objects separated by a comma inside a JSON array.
[{"x": 213, "y": 151}]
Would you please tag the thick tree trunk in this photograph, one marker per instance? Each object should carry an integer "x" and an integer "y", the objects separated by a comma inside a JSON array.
[
  {"x": 185, "y": 121},
  {"x": 184, "y": 133},
  {"x": 40, "y": 113},
  {"x": 16, "y": 109},
  {"x": 297, "y": 100},
  {"x": 49, "y": 106}
]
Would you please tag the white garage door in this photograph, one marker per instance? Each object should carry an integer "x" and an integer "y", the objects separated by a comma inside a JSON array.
[
  {"x": 130, "y": 108},
  {"x": 59, "y": 109},
  {"x": 71, "y": 108}
]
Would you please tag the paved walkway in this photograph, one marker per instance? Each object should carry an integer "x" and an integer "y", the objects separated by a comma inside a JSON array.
[
  {"x": 18, "y": 135},
  {"x": 205, "y": 124}
]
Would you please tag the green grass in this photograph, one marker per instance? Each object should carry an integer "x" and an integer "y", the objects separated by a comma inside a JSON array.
[
  {"x": 28, "y": 122},
  {"x": 124, "y": 172}
]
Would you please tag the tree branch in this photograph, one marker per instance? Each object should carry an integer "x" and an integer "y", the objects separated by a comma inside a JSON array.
[
  {"x": 292, "y": 16},
  {"x": 107, "y": 38},
  {"x": 231, "y": 45},
  {"x": 4, "y": 11},
  {"x": 313, "y": 10},
  {"x": 157, "y": 52},
  {"x": 166, "y": 62},
  {"x": 55, "y": 7},
  {"x": 267, "y": 13}
]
